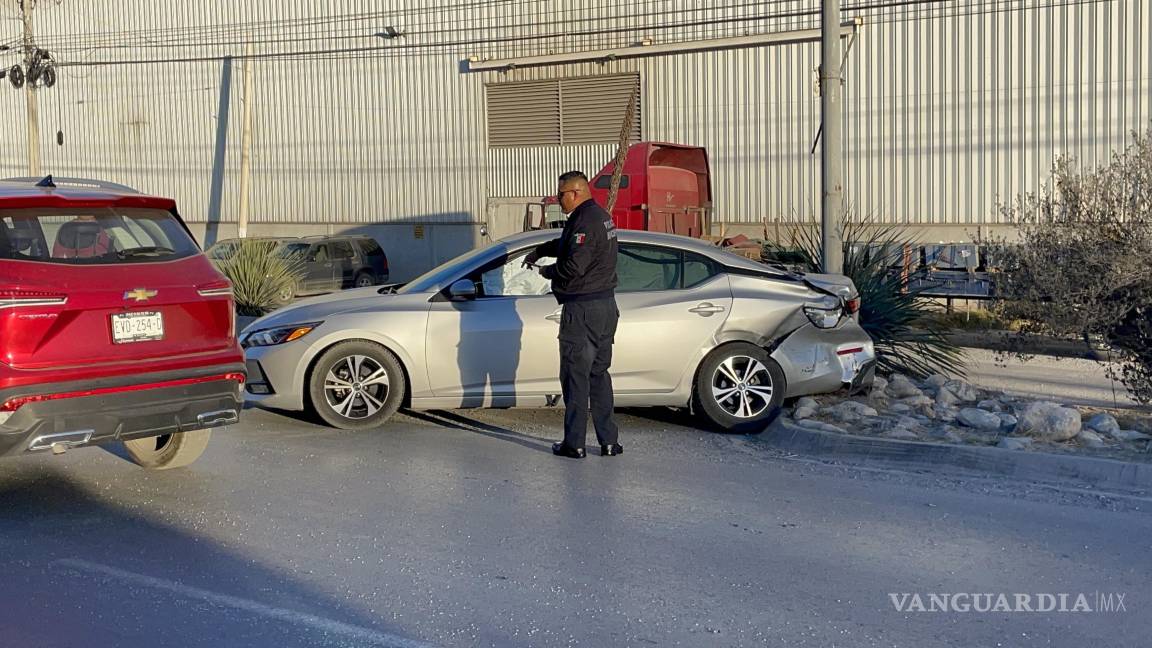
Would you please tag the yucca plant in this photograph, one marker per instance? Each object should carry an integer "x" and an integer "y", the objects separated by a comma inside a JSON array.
[
  {"x": 897, "y": 317},
  {"x": 262, "y": 281}
]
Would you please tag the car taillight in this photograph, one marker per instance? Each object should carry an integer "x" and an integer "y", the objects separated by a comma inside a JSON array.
[
  {"x": 215, "y": 289},
  {"x": 13, "y": 298},
  {"x": 852, "y": 306}
]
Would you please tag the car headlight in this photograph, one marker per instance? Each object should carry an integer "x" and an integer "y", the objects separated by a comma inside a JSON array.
[
  {"x": 279, "y": 335},
  {"x": 826, "y": 314}
]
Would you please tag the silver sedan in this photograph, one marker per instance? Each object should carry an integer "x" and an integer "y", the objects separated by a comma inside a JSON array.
[{"x": 700, "y": 328}]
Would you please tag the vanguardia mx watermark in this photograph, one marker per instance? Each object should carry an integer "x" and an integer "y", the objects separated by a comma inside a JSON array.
[{"x": 1088, "y": 602}]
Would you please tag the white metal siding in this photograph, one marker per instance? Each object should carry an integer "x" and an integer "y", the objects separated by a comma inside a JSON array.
[{"x": 946, "y": 112}]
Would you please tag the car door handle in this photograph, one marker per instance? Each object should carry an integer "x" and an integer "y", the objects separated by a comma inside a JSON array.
[
  {"x": 555, "y": 317},
  {"x": 706, "y": 309}
]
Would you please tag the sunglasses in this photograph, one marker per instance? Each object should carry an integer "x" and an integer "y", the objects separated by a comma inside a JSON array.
[{"x": 560, "y": 194}]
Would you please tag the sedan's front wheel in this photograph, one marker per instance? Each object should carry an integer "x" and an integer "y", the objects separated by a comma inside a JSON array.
[
  {"x": 739, "y": 388},
  {"x": 356, "y": 385}
]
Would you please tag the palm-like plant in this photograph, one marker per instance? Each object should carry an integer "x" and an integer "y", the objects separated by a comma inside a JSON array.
[
  {"x": 261, "y": 279},
  {"x": 895, "y": 316}
]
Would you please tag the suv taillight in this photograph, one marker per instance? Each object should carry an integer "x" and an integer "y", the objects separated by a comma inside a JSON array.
[
  {"x": 852, "y": 306},
  {"x": 14, "y": 298}
]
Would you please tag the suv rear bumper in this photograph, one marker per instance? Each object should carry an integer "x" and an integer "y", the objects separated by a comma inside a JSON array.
[{"x": 99, "y": 411}]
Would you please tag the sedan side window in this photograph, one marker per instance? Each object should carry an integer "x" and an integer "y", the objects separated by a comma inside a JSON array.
[
  {"x": 698, "y": 269},
  {"x": 644, "y": 268},
  {"x": 511, "y": 279}
]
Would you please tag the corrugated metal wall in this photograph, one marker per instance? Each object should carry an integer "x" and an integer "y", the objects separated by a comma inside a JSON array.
[{"x": 949, "y": 105}]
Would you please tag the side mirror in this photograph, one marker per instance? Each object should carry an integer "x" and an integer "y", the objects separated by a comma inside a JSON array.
[{"x": 462, "y": 290}]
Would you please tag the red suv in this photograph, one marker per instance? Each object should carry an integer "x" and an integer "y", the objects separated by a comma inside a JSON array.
[{"x": 113, "y": 325}]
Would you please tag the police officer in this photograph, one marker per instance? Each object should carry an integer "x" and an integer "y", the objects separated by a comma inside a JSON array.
[{"x": 584, "y": 282}]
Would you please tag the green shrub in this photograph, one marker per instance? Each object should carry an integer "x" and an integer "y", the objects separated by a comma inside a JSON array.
[
  {"x": 899, "y": 320},
  {"x": 1082, "y": 268},
  {"x": 261, "y": 280}
]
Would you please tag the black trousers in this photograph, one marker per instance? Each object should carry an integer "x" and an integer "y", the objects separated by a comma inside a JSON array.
[{"x": 587, "y": 331}]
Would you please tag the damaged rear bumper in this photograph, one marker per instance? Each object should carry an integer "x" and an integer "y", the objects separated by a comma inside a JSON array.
[{"x": 818, "y": 360}]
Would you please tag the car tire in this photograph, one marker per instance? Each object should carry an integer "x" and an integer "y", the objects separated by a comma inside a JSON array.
[
  {"x": 287, "y": 294},
  {"x": 364, "y": 280},
  {"x": 168, "y": 451},
  {"x": 739, "y": 388},
  {"x": 362, "y": 404}
]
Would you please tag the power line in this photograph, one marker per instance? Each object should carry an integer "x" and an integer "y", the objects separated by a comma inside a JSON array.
[
  {"x": 397, "y": 48},
  {"x": 173, "y": 43}
]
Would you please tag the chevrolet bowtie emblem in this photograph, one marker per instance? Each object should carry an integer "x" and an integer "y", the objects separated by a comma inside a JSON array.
[{"x": 139, "y": 295}]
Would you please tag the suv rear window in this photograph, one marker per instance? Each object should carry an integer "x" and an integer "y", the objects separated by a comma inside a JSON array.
[
  {"x": 97, "y": 235},
  {"x": 370, "y": 248}
]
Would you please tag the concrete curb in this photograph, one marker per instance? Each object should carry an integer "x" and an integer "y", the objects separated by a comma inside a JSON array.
[{"x": 1065, "y": 470}]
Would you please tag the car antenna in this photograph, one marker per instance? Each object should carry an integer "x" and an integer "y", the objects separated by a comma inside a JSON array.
[{"x": 47, "y": 182}]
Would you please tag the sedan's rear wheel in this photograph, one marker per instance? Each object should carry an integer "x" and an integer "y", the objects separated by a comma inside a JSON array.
[
  {"x": 739, "y": 388},
  {"x": 356, "y": 385}
]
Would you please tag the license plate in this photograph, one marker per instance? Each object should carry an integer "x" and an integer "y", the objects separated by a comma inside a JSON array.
[{"x": 137, "y": 327}]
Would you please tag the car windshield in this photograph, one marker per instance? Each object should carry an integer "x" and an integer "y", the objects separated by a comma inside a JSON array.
[
  {"x": 91, "y": 236},
  {"x": 446, "y": 271}
]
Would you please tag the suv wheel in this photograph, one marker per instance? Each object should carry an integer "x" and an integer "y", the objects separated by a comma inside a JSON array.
[
  {"x": 739, "y": 388},
  {"x": 364, "y": 280},
  {"x": 286, "y": 294},
  {"x": 174, "y": 450},
  {"x": 356, "y": 385}
]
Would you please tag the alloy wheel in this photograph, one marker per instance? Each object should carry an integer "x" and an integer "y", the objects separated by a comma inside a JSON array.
[
  {"x": 356, "y": 387},
  {"x": 742, "y": 387}
]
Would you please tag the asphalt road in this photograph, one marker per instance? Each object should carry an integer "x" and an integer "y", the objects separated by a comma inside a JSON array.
[
  {"x": 1070, "y": 380},
  {"x": 461, "y": 529}
]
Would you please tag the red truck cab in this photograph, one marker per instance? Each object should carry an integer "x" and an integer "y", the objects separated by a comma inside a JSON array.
[{"x": 663, "y": 188}]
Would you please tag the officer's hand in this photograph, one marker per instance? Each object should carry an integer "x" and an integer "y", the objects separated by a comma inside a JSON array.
[{"x": 531, "y": 259}]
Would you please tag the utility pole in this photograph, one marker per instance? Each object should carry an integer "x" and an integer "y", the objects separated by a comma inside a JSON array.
[
  {"x": 32, "y": 103},
  {"x": 246, "y": 146},
  {"x": 832, "y": 147}
]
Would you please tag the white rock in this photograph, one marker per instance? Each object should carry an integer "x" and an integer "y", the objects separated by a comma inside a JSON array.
[
  {"x": 808, "y": 401},
  {"x": 801, "y": 413},
  {"x": 901, "y": 387},
  {"x": 879, "y": 385},
  {"x": 962, "y": 390},
  {"x": 909, "y": 422},
  {"x": 1090, "y": 439},
  {"x": 1014, "y": 443},
  {"x": 945, "y": 414},
  {"x": 990, "y": 405},
  {"x": 850, "y": 411},
  {"x": 1048, "y": 421},
  {"x": 918, "y": 401},
  {"x": 899, "y": 408},
  {"x": 946, "y": 398},
  {"x": 1130, "y": 435},
  {"x": 903, "y": 434},
  {"x": 1007, "y": 421},
  {"x": 951, "y": 437},
  {"x": 936, "y": 380},
  {"x": 1104, "y": 423},
  {"x": 977, "y": 418}
]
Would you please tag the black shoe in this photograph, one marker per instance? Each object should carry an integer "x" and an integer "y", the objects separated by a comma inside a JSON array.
[
  {"x": 561, "y": 450},
  {"x": 611, "y": 450}
]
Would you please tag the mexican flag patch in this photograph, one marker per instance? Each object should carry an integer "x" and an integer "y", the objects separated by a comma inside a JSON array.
[{"x": 580, "y": 239}]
